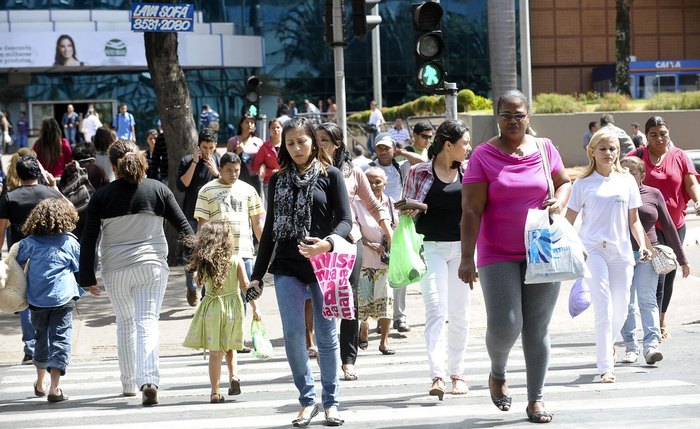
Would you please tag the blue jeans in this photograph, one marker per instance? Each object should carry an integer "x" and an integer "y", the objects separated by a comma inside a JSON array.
[
  {"x": 291, "y": 296},
  {"x": 54, "y": 332},
  {"x": 644, "y": 285},
  {"x": 70, "y": 135},
  {"x": 28, "y": 332},
  {"x": 21, "y": 141}
]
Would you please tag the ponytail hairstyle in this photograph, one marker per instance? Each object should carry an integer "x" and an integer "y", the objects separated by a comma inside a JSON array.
[
  {"x": 449, "y": 131},
  {"x": 129, "y": 161},
  {"x": 211, "y": 253},
  {"x": 341, "y": 156}
]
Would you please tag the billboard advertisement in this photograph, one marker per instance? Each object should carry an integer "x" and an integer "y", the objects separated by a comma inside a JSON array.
[{"x": 80, "y": 51}]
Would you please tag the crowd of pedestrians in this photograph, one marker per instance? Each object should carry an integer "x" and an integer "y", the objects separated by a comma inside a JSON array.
[{"x": 301, "y": 194}]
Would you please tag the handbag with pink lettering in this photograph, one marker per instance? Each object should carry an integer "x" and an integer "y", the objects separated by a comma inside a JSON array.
[{"x": 332, "y": 270}]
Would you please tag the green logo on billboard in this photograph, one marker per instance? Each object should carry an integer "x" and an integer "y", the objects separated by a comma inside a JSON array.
[{"x": 115, "y": 48}]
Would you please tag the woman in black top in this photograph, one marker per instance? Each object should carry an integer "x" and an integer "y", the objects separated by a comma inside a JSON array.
[
  {"x": 307, "y": 201},
  {"x": 128, "y": 213},
  {"x": 438, "y": 184}
]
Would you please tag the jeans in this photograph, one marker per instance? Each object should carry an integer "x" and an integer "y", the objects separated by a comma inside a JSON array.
[
  {"x": 610, "y": 282},
  {"x": 291, "y": 296},
  {"x": 70, "y": 135},
  {"x": 136, "y": 294},
  {"x": 189, "y": 276},
  {"x": 28, "y": 332},
  {"x": 644, "y": 287},
  {"x": 21, "y": 141},
  {"x": 445, "y": 298},
  {"x": 54, "y": 334}
]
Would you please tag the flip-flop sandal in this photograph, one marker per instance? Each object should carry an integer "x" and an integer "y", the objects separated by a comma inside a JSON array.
[
  {"x": 387, "y": 351},
  {"x": 235, "y": 388},
  {"x": 537, "y": 416},
  {"x": 363, "y": 344},
  {"x": 216, "y": 398},
  {"x": 313, "y": 352},
  {"x": 38, "y": 393},
  {"x": 57, "y": 398},
  {"x": 349, "y": 374}
]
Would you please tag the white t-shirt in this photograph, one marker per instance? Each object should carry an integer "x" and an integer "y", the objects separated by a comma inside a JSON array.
[
  {"x": 604, "y": 204},
  {"x": 90, "y": 126},
  {"x": 376, "y": 117}
]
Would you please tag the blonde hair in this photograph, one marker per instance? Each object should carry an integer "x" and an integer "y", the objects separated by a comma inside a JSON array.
[
  {"x": 12, "y": 180},
  {"x": 603, "y": 134},
  {"x": 211, "y": 251},
  {"x": 636, "y": 162}
]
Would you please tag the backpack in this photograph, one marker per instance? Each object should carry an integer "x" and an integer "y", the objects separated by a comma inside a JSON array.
[{"x": 77, "y": 189}]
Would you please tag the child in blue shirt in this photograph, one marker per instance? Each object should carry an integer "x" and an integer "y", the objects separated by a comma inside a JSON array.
[{"x": 53, "y": 254}]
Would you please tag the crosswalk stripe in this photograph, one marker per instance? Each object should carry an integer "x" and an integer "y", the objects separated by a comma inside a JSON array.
[{"x": 185, "y": 391}]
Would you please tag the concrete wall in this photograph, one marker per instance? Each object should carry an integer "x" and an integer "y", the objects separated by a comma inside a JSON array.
[{"x": 567, "y": 130}]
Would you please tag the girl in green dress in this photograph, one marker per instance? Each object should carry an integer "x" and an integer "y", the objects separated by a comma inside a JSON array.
[{"x": 217, "y": 325}]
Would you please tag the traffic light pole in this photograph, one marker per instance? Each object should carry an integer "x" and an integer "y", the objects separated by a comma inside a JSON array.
[
  {"x": 450, "y": 92},
  {"x": 376, "y": 62},
  {"x": 339, "y": 59}
]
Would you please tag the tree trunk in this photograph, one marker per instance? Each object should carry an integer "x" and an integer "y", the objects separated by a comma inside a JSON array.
[
  {"x": 175, "y": 109},
  {"x": 501, "y": 26},
  {"x": 622, "y": 45}
]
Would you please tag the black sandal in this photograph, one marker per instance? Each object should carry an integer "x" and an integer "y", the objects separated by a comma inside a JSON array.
[
  {"x": 537, "y": 416},
  {"x": 235, "y": 388},
  {"x": 503, "y": 403}
]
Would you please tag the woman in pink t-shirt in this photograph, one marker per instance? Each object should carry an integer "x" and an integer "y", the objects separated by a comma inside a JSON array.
[
  {"x": 671, "y": 172},
  {"x": 505, "y": 177}
]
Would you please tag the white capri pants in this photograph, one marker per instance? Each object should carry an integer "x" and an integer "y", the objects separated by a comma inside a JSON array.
[{"x": 136, "y": 294}]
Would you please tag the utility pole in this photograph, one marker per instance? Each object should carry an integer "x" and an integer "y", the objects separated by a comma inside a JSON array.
[
  {"x": 376, "y": 61},
  {"x": 339, "y": 59},
  {"x": 450, "y": 91},
  {"x": 525, "y": 59}
]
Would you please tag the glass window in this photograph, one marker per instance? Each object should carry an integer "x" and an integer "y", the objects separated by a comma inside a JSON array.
[{"x": 689, "y": 82}]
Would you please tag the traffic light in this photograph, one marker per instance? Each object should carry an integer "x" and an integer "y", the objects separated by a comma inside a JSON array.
[
  {"x": 362, "y": 19},
  {"x": 252, "y": 96},
  {"x": 430, "y": 46}
]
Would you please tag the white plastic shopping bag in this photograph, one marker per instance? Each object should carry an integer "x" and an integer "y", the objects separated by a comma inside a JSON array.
[{"x": 554, "y": 251}]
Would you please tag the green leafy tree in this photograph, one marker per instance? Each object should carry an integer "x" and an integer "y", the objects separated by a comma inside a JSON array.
[{"x": 622, "y": 46}]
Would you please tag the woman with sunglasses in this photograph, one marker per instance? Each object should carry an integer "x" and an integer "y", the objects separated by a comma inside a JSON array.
[
  {"x": 670, "y": 171},
  {"x": 505, "y": 177}
]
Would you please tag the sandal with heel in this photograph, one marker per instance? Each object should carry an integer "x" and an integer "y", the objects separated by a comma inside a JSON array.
[
  {"x": 458, "y": 389},
  {"x": 235, "y": 388},
  {"x": 437, "y": 388}
]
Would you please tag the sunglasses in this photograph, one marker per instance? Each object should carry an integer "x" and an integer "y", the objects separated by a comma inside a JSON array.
[{"x": 427, "y": 136}]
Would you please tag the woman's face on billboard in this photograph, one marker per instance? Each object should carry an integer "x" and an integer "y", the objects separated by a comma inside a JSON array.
[{"x": 66, "y": 48}]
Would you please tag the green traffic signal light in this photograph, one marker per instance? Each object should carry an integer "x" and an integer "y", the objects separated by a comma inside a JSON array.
[
  {"x": 253, "y": 110},
  {"x": 431, "y": 75}
]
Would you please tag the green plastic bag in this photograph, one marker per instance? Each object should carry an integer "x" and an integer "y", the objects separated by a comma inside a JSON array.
[
  {"x": 262, "y": 347},
  {"x": 406, "y": 263}
]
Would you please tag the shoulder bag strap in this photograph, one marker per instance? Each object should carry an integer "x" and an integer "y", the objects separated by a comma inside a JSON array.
[{"x": 547, "y": 169}]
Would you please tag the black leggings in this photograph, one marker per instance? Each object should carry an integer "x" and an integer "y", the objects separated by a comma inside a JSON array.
[
  {"x": 350, "y": 329},
  {"x": 664, "y": 289}
]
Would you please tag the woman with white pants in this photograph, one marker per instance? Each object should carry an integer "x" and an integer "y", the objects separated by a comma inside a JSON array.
[
  {"x": 438, "y": 184},
  {"x": 609, "y": 197},
  {"x": 129, "y": 213}
]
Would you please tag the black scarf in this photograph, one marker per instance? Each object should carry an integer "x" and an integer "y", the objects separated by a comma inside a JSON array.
[{"x": 293, "y": 201}]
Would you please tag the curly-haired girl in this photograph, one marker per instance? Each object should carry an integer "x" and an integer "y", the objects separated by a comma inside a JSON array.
[
  {"x": 217, "y": 325},
  {"x": 51, "y": 288}
]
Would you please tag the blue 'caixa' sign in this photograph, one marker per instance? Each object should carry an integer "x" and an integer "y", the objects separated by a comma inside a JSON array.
[{"x": 160, "y": 17}]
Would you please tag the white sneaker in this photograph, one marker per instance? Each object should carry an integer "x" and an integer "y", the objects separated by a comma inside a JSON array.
[
  {"x": 652, "y": 356},
  {"x": 630, "y": 357}
]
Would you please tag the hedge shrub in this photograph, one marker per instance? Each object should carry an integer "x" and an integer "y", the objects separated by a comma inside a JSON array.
[
  {"x": 613, "y": 102},
  {"x": 557, "y": 103},
  {"x": 674, "y": 101}
]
